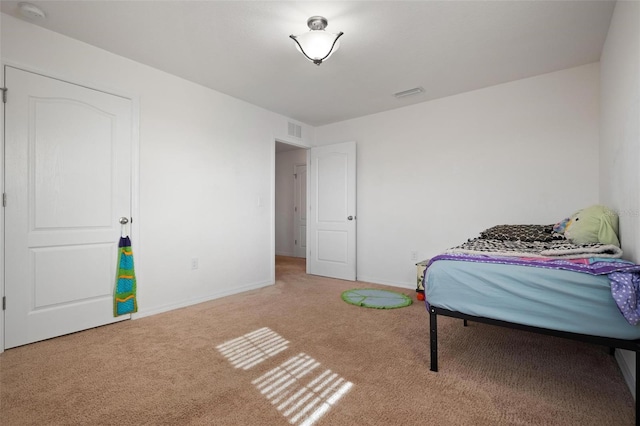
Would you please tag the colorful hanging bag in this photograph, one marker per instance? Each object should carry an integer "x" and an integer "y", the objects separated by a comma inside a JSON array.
[{"x": 125, "y": 301}]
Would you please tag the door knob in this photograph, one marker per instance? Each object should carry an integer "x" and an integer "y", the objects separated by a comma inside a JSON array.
[
  {"x": 350, "y": 218},
  {"x": 124, "y": 220}
]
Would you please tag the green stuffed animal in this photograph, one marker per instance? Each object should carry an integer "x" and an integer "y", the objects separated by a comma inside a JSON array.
[{"x": 595, "y": 224}]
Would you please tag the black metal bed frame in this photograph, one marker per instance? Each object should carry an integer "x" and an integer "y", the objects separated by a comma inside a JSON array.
[{"x": 612, "y": 343}]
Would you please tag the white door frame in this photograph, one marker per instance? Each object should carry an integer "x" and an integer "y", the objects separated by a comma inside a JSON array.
[
  {"x": 135, "y": 164},
  {"x": 302, "y": 206},
  {"x": 2, "y": 212},
  {"x": 298, "y": 144}
]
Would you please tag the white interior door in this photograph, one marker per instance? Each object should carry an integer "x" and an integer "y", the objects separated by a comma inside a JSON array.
[
  {"x": 331, "y": 233},
  {"x": 300, "y": 211},
  {"x": 68, "y": 181}
]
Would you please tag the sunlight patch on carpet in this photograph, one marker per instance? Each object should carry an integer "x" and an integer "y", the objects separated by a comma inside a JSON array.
[
  {"x": 253, "y": 348},
  {"x": 376, "y": 298},
  {"x": 302, "y": 404}
]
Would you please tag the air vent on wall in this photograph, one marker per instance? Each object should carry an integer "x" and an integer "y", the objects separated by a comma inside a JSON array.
[
  {"x": 294, "y": 130},
  {"x": 409, "y": 92}
]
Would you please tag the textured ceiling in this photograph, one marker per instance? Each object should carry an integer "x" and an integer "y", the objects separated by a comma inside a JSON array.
[{"x": 242, "y": 48}]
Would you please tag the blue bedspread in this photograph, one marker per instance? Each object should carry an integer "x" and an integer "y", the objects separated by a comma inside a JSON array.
[{"x": 624, "y": 276}]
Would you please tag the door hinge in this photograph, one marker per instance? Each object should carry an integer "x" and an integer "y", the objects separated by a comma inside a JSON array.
[
  {"x": 295, "y": 209},
  {"x": 295, "y": 242},
  {"x": 4, "y": 95},
  {"x": 4, "y": 199},
  {"x": 295, "y": 176},
  {"x": 4, "y": 303}
]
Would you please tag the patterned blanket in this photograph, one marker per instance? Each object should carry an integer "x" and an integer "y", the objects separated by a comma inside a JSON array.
[
  {"x": 522, "y": 233},
  {"x": 554, "y": 248}
]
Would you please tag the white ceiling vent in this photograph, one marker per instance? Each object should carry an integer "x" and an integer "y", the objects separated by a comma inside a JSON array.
[
  {"x": 295, "y": 130},
  {"x": 409, "y": 92}
]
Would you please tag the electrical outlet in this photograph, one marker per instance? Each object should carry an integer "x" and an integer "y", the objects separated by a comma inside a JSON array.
[
  {"x": 194, "y": 263},
  {"x": 414, "y": 255}
]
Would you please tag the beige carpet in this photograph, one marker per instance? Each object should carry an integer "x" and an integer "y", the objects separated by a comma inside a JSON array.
[{"x": 371, "y": 367}]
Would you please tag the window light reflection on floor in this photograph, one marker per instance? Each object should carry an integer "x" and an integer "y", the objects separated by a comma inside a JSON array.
[
  {"x": 302, "y": 404},
  {"x": 253, "y": 348}
]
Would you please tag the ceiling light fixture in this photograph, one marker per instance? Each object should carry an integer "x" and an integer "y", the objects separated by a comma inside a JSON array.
[
  {"x": 317, "y": 45},
  {"x": 31, "y": 11}
]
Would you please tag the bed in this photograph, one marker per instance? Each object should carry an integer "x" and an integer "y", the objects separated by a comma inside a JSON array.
[{"x": 549, "y": 286}]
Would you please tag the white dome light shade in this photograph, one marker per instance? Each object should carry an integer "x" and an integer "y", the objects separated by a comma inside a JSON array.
[{"x": 317, "y": 45}]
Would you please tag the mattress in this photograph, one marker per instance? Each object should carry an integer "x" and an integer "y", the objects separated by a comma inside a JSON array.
[{"x": 548, "y": 298}]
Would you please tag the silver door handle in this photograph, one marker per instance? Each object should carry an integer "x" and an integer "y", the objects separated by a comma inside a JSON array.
[
  {"x": 350, "y": 218},
  {"x": 124, "y": 220}
]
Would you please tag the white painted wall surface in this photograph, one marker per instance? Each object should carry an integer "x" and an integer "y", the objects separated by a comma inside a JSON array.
[
  {"x": 432, "y": 175},
  {"x": 285, "y": 162},
  {"x": 620, "y": 136},
  {"x": 205, "y": 171}
]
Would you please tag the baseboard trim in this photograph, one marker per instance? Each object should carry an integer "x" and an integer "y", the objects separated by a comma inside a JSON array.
[
  {"x": 281, "y": 253},
  {"x": 195, "y": 301},
  {"x": 626, "y": 372},
  {"x": 384, "y": 282}
]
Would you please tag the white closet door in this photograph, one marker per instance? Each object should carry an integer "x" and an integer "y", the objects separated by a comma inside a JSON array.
[{"x": 68, "y": 181}]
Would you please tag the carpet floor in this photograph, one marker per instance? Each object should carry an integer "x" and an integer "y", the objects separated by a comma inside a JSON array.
[{"x": 295, "y": 353}]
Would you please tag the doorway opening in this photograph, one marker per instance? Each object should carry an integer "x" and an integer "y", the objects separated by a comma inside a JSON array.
[{"x": 290, "y": 201}]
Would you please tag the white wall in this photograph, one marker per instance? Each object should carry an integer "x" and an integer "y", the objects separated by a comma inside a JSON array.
[
  {"x": 433, "y": 174},
  {"x": 206, "y": 167},
  {"x": 285, "y": 162},
  {"x": 620, "y": 136}
]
